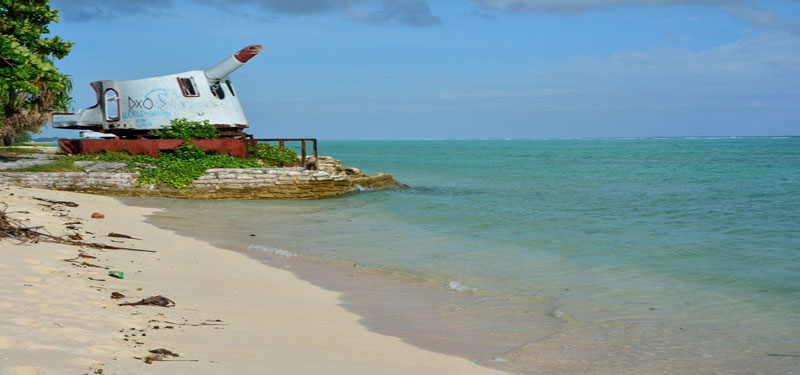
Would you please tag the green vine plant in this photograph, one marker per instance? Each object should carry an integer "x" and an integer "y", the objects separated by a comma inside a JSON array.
[
  {"x": 182, "y": 166},
  {"x": 178, "y": 168},
  {"x": 186, "y": 129},
  {"x": 274, "y": 156},
  {"x": 188, "y": 162}
]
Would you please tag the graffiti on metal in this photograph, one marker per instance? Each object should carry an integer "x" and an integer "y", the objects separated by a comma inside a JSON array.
[{"x": 156, "y": 103}]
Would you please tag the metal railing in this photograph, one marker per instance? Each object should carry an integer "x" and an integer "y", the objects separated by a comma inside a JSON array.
[{"x": 253, "y": 142}]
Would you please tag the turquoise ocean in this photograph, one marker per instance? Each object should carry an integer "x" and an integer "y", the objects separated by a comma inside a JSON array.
[{"x": 561, "y": 256}]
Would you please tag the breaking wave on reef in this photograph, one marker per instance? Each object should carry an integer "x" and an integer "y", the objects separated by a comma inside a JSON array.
[
  {"x": 359, "y": 188},
  {"x": 458, "y": 287},
  {"x": 273, "y": 251}
]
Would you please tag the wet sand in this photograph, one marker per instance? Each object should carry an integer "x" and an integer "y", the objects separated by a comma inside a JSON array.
[{"x": 472, "y": 324}]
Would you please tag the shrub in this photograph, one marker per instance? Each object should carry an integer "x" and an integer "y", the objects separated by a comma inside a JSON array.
[
  {"x": 275, "y": 156},
  {"x": 184, "y": 165},
  {"x": 16, "y": 150},
  {"x": 186, "y": 129},
  {"x": 57, "y": 165}
]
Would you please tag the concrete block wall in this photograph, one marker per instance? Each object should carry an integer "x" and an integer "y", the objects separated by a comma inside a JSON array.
[
  {"x": 330, "y": 179},
  {"x": 75, "y": 181}
]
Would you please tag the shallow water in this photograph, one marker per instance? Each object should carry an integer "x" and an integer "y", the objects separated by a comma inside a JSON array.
[{"x": 558, "y": 256}]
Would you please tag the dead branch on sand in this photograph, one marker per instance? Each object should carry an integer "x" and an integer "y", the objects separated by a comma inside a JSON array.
[{"x": 14, "y": 229}]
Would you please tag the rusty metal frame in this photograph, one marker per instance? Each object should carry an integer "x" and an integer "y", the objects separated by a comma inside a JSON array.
[{"x": 282, "y": 144}]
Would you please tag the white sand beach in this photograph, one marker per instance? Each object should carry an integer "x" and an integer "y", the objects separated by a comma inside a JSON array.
[{"x": 232, "y": 314}]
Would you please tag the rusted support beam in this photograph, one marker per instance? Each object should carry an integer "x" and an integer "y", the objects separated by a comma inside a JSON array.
[
  {"x": 303, "y": 149},
  {"x": 315, "y": 150}
]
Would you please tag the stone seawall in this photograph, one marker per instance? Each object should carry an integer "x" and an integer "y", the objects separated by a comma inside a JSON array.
[{"x": 331, "y": 179}]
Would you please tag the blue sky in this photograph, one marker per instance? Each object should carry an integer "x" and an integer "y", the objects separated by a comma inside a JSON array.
[{"x": 463, "y": 69}]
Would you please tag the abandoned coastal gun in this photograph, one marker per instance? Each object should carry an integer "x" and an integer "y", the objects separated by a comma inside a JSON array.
[
  {"x": 130, "y": 109},
  {"x": 127, "y": 111}
]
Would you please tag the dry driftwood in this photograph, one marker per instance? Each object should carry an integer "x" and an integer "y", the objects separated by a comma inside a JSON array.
[{"x": 14, "y": 229}]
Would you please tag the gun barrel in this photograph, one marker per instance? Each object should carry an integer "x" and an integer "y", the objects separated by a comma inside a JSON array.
[{"x": 231, "y": 63}]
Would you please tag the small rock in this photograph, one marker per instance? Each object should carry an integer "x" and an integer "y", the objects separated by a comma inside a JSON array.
[{"x": 97, "y": 215}]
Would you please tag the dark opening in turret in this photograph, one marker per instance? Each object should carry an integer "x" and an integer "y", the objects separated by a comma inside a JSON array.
[
  {"x": 216, "y": 89},
  {"x": 187, "y": 87}
]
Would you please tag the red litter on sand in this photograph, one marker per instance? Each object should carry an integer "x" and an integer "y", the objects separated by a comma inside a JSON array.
[{"x": 98, "y": 215}]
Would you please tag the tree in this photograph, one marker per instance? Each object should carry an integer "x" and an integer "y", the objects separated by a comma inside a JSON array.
[{"x": 31, "y": 88}]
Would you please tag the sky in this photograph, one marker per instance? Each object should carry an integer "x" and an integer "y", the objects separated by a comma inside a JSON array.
[{"x": 462, "y": 69}]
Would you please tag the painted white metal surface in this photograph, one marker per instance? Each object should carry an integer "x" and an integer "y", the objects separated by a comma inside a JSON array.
[{"x": 151, "y": 103}]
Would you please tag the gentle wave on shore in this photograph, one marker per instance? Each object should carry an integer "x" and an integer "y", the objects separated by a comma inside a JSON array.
[{"x": 672, "y": 256}]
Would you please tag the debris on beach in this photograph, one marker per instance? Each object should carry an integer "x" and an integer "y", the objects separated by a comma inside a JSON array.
[
  {"x": 65, "y": 203},
  {"x": 80, "y": 263},
  {"x": 163, "y": 356},
  {"x": 208, "y": 322},
  {"x": 85, "y": 264},
  {"x": 116, "y": 274},
  {"x": 117, "y": 295},
  {"x": 164, "y": 352},
  {"x": 72, "y": 225},
  {"x": 152, "y": 301},
  {"x": 14, "y": 229},
  {"x": 120, "y": 235},
  {"x": 97, "y": 215}
]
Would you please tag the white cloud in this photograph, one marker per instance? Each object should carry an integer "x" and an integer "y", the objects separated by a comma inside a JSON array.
[
  {"x": 415, "y": 13},
  {"x": 764, "y": 19},
  {"x": 583, "y": 5}
]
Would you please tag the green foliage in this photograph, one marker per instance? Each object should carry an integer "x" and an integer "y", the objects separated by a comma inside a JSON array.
[
  {"x": 57, "y": 165},
  {"x": 30, "y": 86},
  {"x": 118, "y": 156},
  {"x": 184, "y": 165},
  {"x": 188, "y": 162},
  {"x": 23, "y": 138},
  {"x": 186, "y": 129},
  {"x": 274, "y": 155},
  {"x": 17, "y": 150},
  {"x": 177, "y": 168},
  {"x": 31, "y": 144}
]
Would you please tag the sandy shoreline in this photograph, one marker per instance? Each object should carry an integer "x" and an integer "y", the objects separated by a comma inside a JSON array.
[{"x": 233, "y": 314}]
